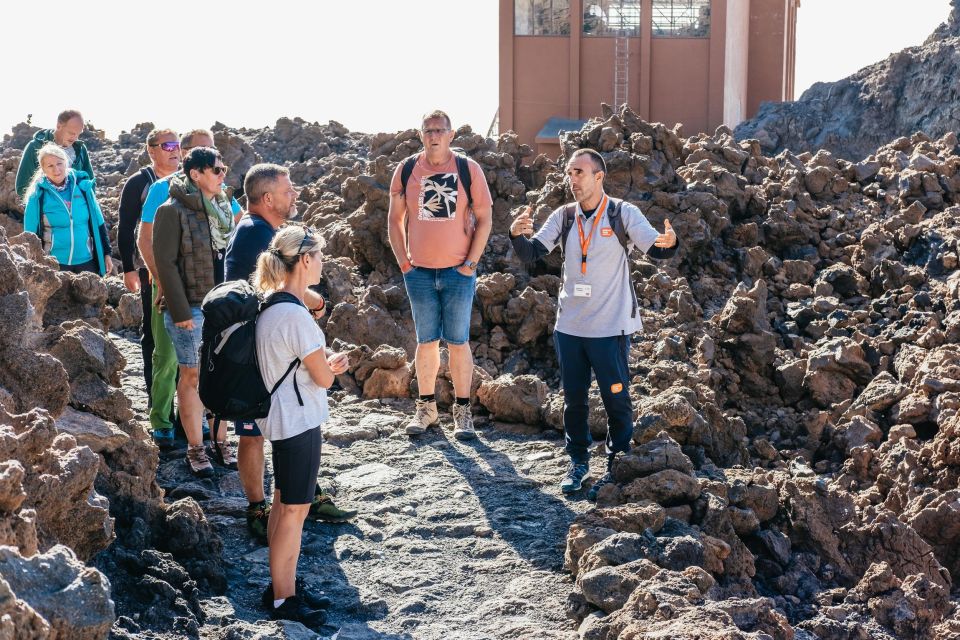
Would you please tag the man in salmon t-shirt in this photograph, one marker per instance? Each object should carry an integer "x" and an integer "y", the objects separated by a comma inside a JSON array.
[{"x": 437, "y": 242}]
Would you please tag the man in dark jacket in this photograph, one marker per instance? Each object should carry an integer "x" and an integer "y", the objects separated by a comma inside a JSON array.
[{"x": 67, "y": 135}]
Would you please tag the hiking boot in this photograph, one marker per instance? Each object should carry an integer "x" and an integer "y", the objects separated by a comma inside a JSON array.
[
  {"x": 322, "y": 508},
  {"x": 198, "y": 462},
  {"x": 295, "y": 609},
  {"x": 425, "y": 415},
  {"x": 463, "y": 422},
  {"x": 311, "y": 599},
  {"x": 574, "y": 479},
  {"x": 224, "y": 454},
  {"x": 257, "y": 518},
  {"x": 604, "y": 480},
  {"x": 163, "y": 438}
]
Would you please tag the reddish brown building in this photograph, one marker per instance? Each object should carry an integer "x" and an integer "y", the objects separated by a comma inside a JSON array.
[{"x": 699, "y": 62}]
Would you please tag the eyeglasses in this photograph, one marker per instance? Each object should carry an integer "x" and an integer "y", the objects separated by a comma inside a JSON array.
[
  {"x": 434, "y": 132},
  {"x": 219, "y": 170},
  {"x": 167, "y": 146}
]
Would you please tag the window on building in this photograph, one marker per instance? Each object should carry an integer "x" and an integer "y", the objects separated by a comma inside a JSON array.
[
  {"x": 612, "y": 18},
  {"x": 541, "y": 17},
  {"x": 681, "y": 18}
]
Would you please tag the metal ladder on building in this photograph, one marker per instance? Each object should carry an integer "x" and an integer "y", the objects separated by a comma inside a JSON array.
[
  {"x": 619, "y": 24},
  {"x": 621, "y": 71}
]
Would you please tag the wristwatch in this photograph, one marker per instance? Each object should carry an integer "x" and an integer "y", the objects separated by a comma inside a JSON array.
[{"x": 469, "y": 264}]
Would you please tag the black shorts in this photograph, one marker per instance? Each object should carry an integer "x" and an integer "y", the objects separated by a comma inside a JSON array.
[{"x": 296, "y": 462}]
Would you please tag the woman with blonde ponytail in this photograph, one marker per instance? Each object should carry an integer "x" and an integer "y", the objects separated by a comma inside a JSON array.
[{"x": 286, "y": 333}]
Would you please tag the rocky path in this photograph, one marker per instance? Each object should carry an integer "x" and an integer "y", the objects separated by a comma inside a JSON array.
[{"x": 453, "y": 540}]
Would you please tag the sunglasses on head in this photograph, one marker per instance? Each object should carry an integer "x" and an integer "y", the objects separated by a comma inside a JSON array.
[
  {"x": 167, "y": 146},
  {"x": 306, "y": 236}
]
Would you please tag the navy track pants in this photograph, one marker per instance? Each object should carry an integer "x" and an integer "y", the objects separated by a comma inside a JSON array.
[{"x": 607, "y": 359}]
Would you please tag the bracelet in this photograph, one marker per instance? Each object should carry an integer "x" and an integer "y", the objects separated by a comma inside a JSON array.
[{"x": 319, "y": 307}]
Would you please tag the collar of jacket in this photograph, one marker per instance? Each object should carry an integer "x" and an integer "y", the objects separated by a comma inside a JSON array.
[
  {"x": 186, "y": 193},
  {"x": 80, "y": 179}
]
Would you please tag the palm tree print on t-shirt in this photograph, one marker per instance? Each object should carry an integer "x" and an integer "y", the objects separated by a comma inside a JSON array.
[{"x": 438, "y": 197}]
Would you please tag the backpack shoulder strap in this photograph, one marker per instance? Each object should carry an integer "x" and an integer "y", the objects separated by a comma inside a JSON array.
[
  {"x": 40, "y": 232},
  {"x": 279, "y": 297},
  {"x": 407, "y": 171},
  {"x": 151, "y": 177},
  {"x": 93, "y": 227},
  {"x": 569, "y": 213},
  {"x": 616, "y": 221},
  {"x": 463, "y": 171}
]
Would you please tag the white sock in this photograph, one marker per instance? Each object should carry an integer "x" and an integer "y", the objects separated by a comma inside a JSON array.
[{"x": 277, "y": 603}]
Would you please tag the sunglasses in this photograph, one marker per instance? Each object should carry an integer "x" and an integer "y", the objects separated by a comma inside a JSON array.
[
  {"x": 306, "y": 236},
  {"x": 167, "y": 146},
  {"x": 434, "y": 132},
  {"x": 219, "y": 170}
]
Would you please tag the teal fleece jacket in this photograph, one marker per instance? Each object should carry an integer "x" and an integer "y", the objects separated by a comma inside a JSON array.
[
  {"x": 75, "y": 234},
  {"x": 29, "y": 163}
]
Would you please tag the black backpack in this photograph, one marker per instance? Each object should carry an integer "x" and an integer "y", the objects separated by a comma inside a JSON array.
[{"x": 231, "y": 385}]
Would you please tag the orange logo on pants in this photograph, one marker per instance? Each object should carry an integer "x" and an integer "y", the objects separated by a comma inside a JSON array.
[
  {"x": 616, "y": 388},
  {"x": 606, "y": 232}
]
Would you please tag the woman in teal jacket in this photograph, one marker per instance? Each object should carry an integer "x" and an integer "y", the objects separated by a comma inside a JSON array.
[{"x": 62, "y": 210}]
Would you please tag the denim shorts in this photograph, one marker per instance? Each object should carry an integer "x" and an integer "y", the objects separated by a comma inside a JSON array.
[
  {"x": 186, "y": 342},
  {"x": 442, "y": 301}
]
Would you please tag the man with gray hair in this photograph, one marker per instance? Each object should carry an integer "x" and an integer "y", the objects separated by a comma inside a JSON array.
[{"x": 271, "y": 201}]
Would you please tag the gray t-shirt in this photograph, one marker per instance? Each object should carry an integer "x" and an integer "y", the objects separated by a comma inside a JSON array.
[
  {"x": 286, "y": 332},
  {"x": 606, "y": 312},
  {"x": 71, "y": 155}
]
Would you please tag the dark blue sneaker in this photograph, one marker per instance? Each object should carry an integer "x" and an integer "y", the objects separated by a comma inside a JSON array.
[
  {"x": 575, "y": 476},
  {"x": 604, "y": 480},
  {"x": 163, "y": 437}
]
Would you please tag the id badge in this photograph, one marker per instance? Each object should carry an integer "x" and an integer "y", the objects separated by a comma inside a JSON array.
[{"x": 581, "y": 290}]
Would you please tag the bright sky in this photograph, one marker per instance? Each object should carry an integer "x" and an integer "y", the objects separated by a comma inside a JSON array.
[
  {"x": 836, "y": 38},
  {"x": 374, "y": 65}
]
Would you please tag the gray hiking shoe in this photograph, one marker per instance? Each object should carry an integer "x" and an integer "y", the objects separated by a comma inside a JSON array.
[
  {"x": 463, "y": 422},
  {"x": 574, "y": 479},
  {"x": 425, "y": 415}
]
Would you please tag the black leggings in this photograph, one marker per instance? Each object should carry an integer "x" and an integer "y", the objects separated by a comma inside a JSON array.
[{"x": 296, "y": 463}]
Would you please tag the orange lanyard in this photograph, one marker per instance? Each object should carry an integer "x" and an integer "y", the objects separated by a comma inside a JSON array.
[{"x": 585, "y": 240}]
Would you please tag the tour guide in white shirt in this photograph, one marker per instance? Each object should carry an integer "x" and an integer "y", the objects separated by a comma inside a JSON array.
[{"x": 597, "y": 310}]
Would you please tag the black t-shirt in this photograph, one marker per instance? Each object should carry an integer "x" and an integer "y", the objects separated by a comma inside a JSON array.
[
  {"x": 251, "y": 238},
  {"x": 131, "y": 207}
]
